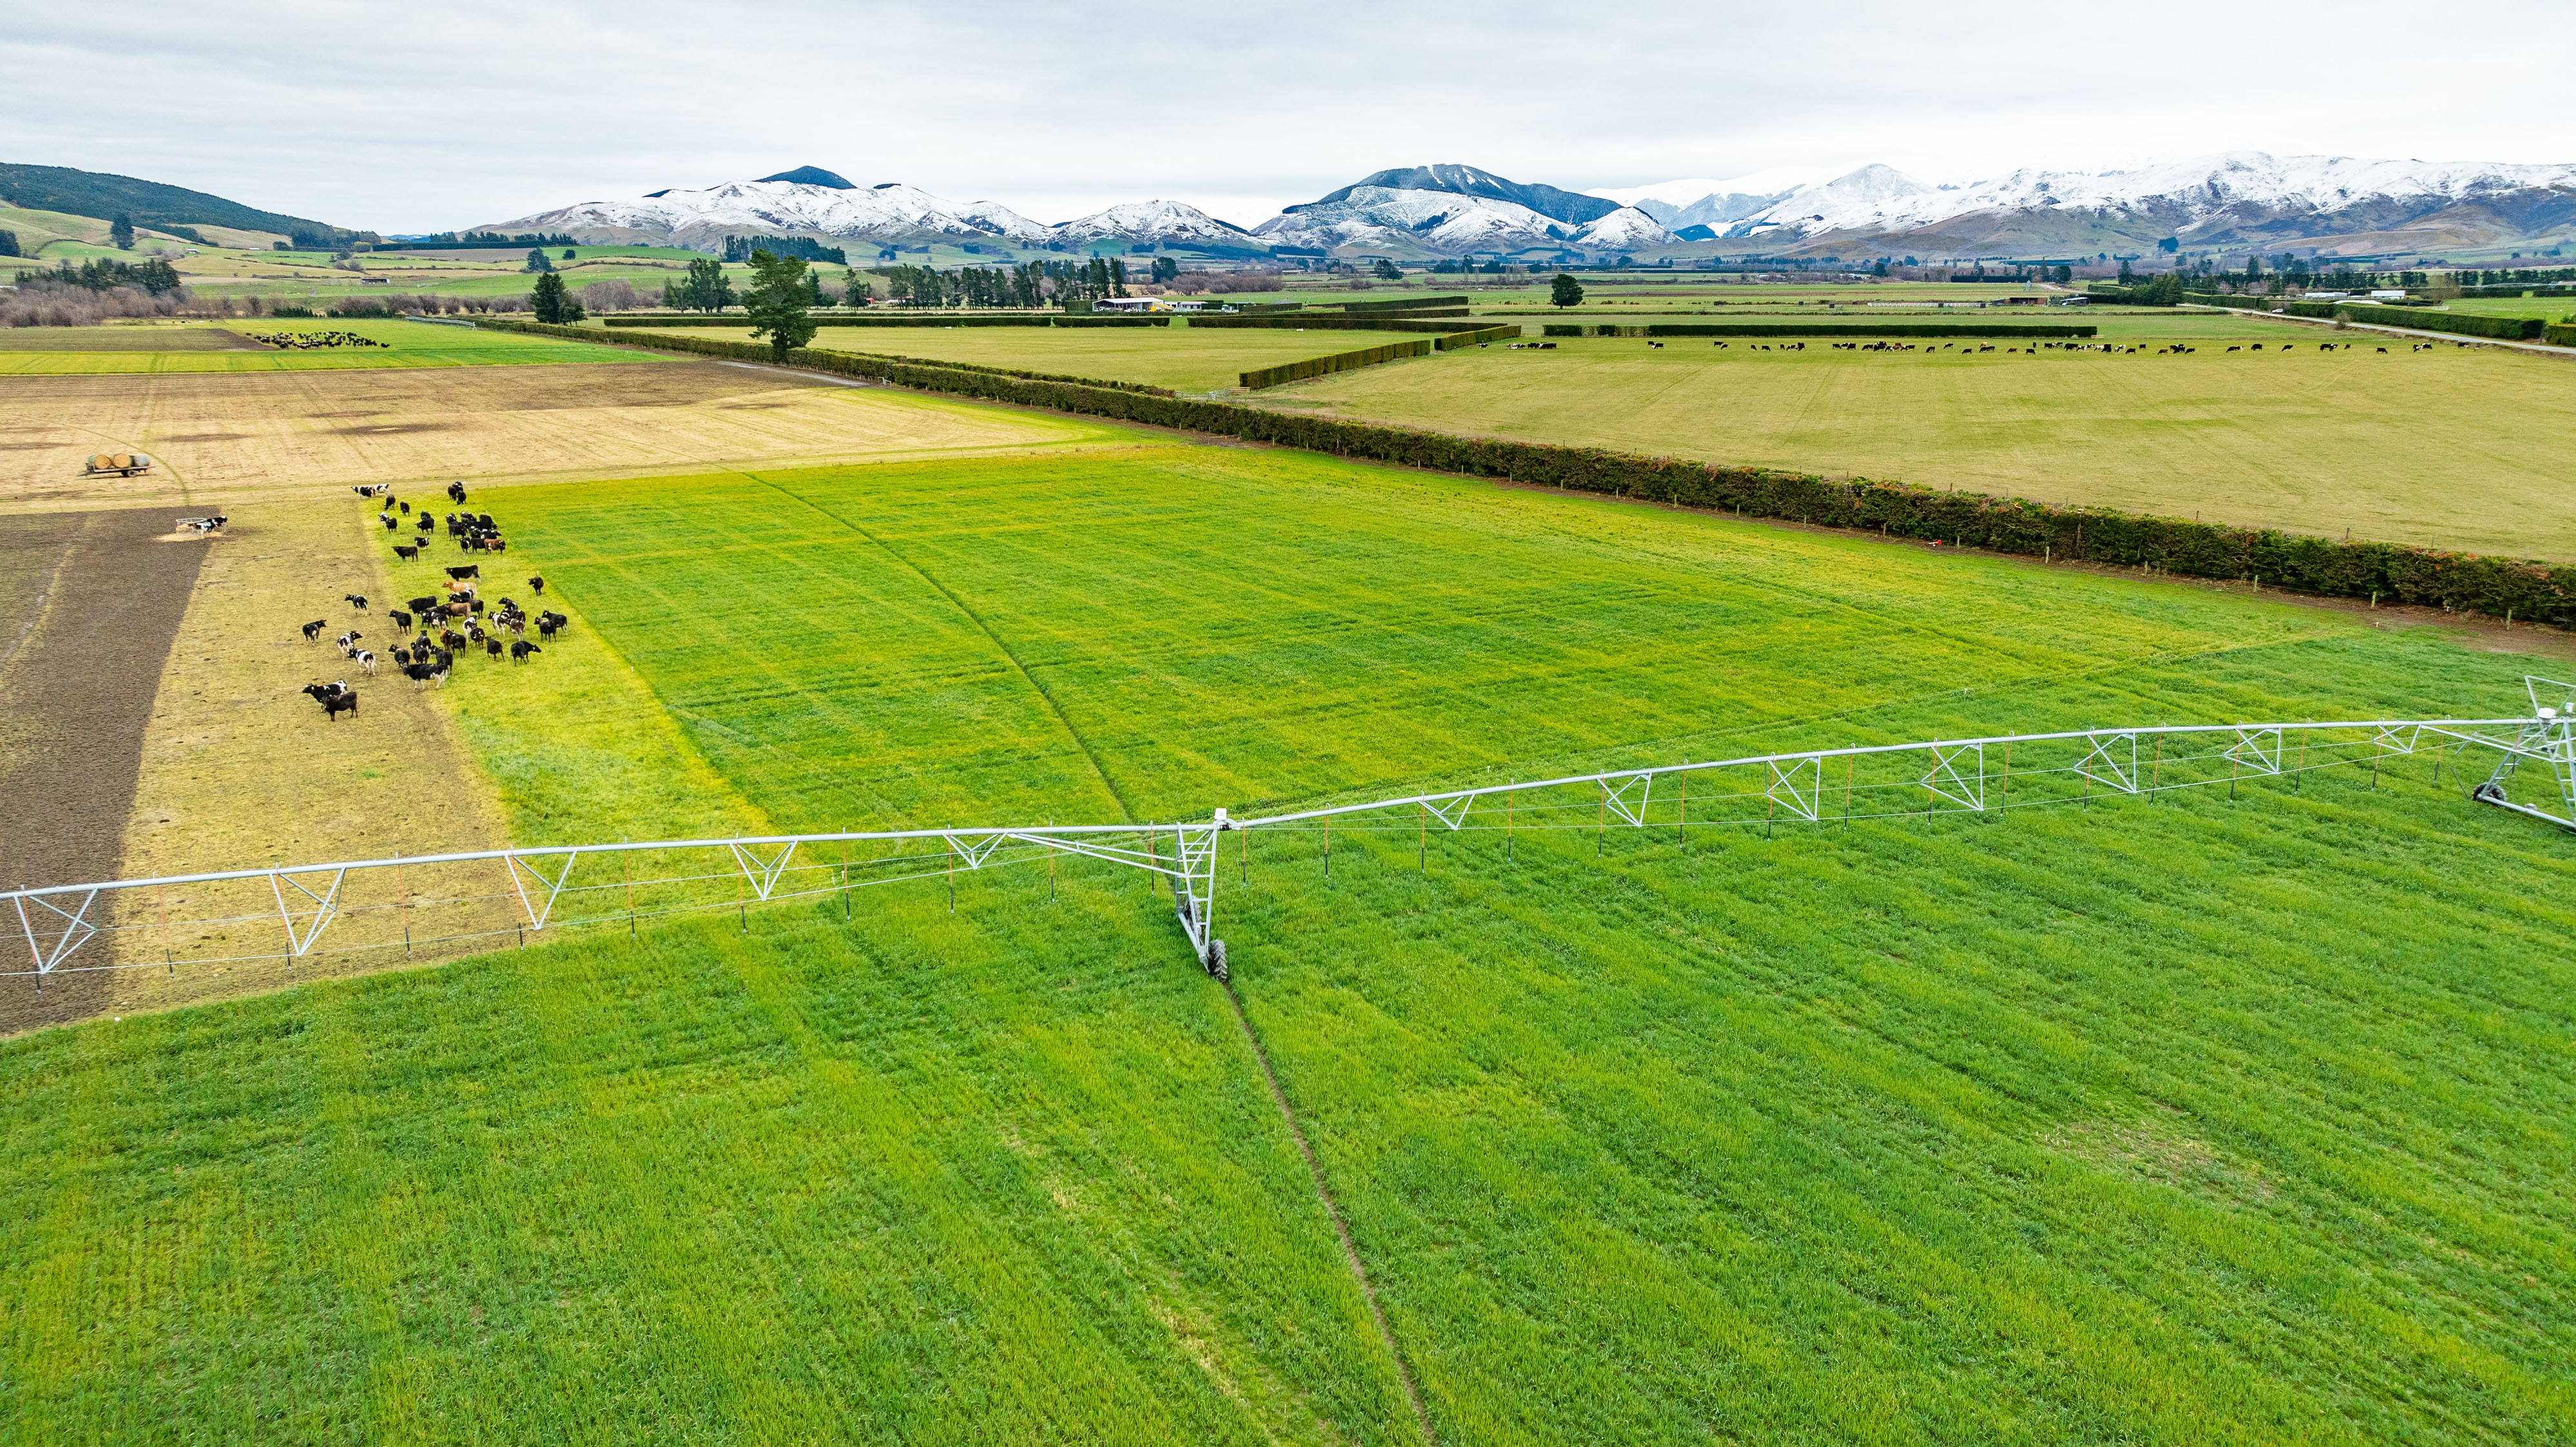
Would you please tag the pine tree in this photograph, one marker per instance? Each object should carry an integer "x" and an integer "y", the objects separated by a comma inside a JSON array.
[
  {"x": 537, "y": 261},
  {"x": 121, "y": 231},
  {"x": 777, "y": 302},
  {"x": 1565, "y": 290},
  {"x": 550, "y": 302},
  {"x": 706, "y": 288}
]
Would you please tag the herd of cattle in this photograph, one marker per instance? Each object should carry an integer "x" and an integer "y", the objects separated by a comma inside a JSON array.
[{"x": 457, "y": 612}]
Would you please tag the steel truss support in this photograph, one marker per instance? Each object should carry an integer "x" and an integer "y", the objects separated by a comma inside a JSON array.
[
  {"x": 538, "y": 911},
  {"x": 47, "y": 948},
  {"x": 1798, "y": 785},
  {"x": 1625, "y": 794},
  {"x": 1946, "y": 780},
  {"x": 2547, "y": 739},
  {"x": 2258, "y": 749},
  {"x": 2112, "y": 760},
  {"x": 325, "y": 907},
  {"x": 1194, "y": 889}
]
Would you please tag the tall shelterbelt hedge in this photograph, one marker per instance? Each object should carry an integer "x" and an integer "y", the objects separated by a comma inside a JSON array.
[
  {"x": 2467, "y": 324},
  {"x": 923, "y": 319},
  {"x": 2393, "y": 572},
  {"x": 1477, "y": 338},
  {"x": 1338, "y": 362},
  {"x": 1315, "y": 322},
  {"x": 1400, "y": 303}
]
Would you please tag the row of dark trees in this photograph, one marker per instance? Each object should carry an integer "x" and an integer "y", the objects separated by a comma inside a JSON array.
[
  {"x": 1029, "y": 284},
  {"x": 154, "y": 278},
  {"x": 740, "y": 248}
]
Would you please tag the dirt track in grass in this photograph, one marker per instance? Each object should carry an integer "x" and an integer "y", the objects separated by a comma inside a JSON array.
[{"x": 89, "y": 604}]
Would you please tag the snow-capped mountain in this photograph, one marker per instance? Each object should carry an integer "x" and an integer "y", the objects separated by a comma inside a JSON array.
[
  {"x": 1408, "y": 222},
  {"x": 1625, "y": 229},
  {"x": 1571, "y": 207},
  {"x": 1701, "y": 201},
  {"x": 1453, "y": 210},
  {"x": 2239, "y": 198},
  {"x": 888, "y": 213},
  {"x": 1139, "y": 223}
]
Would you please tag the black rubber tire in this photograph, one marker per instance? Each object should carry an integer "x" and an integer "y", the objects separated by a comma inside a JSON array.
[{"x": 1216, "y": 962}]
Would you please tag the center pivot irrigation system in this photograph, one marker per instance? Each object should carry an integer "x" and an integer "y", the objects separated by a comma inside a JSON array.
[{"x": 452, "y": 903}]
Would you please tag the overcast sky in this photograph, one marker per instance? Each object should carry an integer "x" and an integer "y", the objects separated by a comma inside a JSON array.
[{"x": 426, "y": 117}]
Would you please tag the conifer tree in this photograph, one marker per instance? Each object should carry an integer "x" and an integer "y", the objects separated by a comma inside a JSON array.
[{"x": 777, "y": 302}]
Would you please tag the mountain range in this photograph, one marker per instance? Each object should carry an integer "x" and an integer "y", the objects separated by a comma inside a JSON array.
[{"x": 2237, "y": 201}]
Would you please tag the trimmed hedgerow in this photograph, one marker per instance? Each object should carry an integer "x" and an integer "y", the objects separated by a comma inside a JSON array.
[
  {"x": 2560, "y": 334},
  {"x": 2512, "y": 329},
  {"x": 923, "y": 319},
  {"x": 1476, "y": 338},
  {"x": 1313, "y": 322},
  {"x": 1338, "y": 362},
  {"x": 2393, "y": 572},
  {"x": 1403, "y": 303},
  {"x": 1857, "y": 329}
]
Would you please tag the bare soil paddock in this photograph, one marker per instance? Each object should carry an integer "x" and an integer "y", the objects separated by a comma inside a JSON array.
[
  {"x": 233, "y": 438},
  {"x": 89, "y": 604}
]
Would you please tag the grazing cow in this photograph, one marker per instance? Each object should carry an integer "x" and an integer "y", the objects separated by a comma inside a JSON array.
[
  {"x": 402, "y": 656},
  {"x": 520, "y": 650},
  {"x": 456, "y": 492},
  {"x": 474, "y": 631},
  {"x": 387, "y": 520},
  {"x": 335, "y": 698},
  {"x": 314, "y": 629},
  {"x": 420, "y": 673},
  {"x": 538, "y": 583},
  {"x": 421, "y": 604},
  {"x": 349, "y": 641},
  {"x": 410, "y": 554},
  {"x": 355, "y": 600},
  {"x": 450, "y": 639},
  {"x": 470, "y": 570},
  {"x": 425, "y": 523},
  {"x": 366, "y": 659},
  {"x": 398, "y": 618},
  {"x": 492, "y": 646}
]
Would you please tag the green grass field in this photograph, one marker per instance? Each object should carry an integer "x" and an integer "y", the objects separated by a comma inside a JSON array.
[
  {"x": 2185, "y": 1121},
  {"x": 1182, "y": 358},
  {"x": 225, "y": 349},
  {"x": 2310, "y": 441}
]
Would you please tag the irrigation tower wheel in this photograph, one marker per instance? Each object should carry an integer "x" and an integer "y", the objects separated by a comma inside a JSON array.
[{"x": 1216, "y": 962}]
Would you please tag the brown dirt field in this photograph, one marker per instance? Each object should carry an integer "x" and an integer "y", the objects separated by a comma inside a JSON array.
[
  {"x": 89, "y": 603},
  {"x": 235, "y": 769},
  {"x": 124, "y": 339},
  {"x": 228, "y": 439}
]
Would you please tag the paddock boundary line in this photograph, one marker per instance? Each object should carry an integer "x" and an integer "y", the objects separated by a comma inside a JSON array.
[{"x": 490, "y": 897}]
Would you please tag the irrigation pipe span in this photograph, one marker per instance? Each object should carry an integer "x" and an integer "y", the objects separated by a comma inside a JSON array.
[{"x": 491, "y": 897}]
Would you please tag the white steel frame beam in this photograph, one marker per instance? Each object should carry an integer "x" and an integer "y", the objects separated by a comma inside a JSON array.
[{"x": 1955, "y": 773}]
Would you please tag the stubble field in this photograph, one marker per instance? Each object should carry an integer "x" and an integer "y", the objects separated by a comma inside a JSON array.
[
  {"x": 2170, "y": 1121},
  {"x": 226, "y": 440}
]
